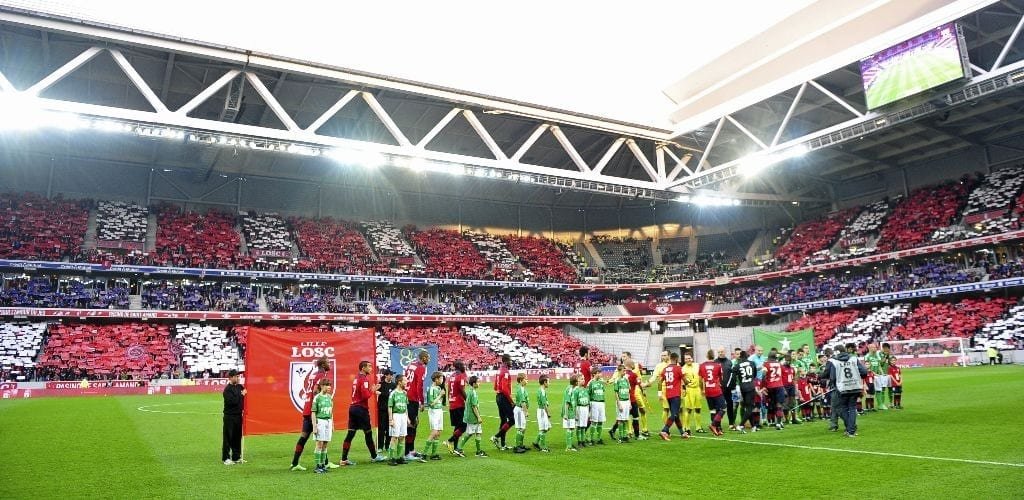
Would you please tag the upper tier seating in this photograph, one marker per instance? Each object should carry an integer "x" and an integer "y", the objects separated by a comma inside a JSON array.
[
  {"x": 192, "y": 239},
  {"x": 19, "y": 346},
  {"x": 266, "y": 231},
  {"x": 563, "y": 349},
  {"x": 334, "y": 246},
  {"x": 867, "y": 223},
  {"x": 34, "y": 228},
  {"x": 948, "y": 319},
  {"x": 1005, "y": 333},
  {"x": 451, "y": 345},
  {"x": 504, "y": 265},
  {"x": 206, "y": 348},
  {"x": 674, "y": 250},
  {"x": 996, "y": 192},
  {"x": 447, "y": 255},
  {"x": 138, "y": 350},
  {"x": 501, "y": 343},
  {"x": 623, "y": 252},
  {"x": 880, "y": 321},
  {"x": 812, "y": 236},
  {"x": 121, "y": 221},
  {"x": 543, "y": 257},
  {"x": 914, "y": 220}
]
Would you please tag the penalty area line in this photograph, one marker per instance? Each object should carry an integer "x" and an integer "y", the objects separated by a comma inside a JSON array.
[{"x": 864, "y": 452}]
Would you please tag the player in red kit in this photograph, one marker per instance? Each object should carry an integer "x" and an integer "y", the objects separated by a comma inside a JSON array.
[
  {"x": 711, "y": 385},
  {"x": 583, "y": 366},
  {"x": 457, "y": 403},
  {"x": 896, "y": 383},
  {"x": 672, "y": 377},
  {"x": 310, "y": 387},
  {"x": 503, "y": 396},
  {"x": 803, "y": 390},
  {"x": 789, "y": 383},
  {"x": 359, "y": 414},
  {"x": 773, "y": 382},
  {"x": 415, "y": 374}
]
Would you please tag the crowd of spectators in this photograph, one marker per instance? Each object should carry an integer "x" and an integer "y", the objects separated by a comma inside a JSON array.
[
  {"x": 563, "y": 349},
  {"x": 197, "y": 239},
  {"x": 447, "y": 255},
  {"x": 913, "y": 221},
  {"x": 23, "y": 291},
  {"x": 35, "y": 228},
  {"x": 813, "y": 236},
  {"x": 333, "y": 246},
  {"x": 122, "y": 222},
  {"x": 188, "y": 296},
  {"x": 316, "y": 299},
  {"x": 546, "y": 260},
  {"x": 139, "y": 351}
]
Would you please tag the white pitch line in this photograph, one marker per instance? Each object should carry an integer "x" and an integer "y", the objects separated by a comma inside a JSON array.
[
  {"x": 863, "y": 452},
  {"x": 146, "y": 409}
]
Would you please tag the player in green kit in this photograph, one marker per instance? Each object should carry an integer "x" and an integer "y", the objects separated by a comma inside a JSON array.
[
  {"x": 597, "y": 413},
  {"x": 569, "y": 412},
  {"x": 474, "y": 426},
  {"x": 522, "y": 401},
  {"x": 398, "y": 420},
  {"x": 543, "y": 417},
  {"x": 622, "y": 405},
  {"x": 435, "y": 414},
  {"x": 323, "y": 412},
  {"x": 874, "y": 359},
  {"x": 582, "y": 398}
]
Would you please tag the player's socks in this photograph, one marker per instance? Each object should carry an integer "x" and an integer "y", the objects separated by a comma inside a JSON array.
[
  {"x": 462, "y": 441},
  {"x": 299, "y": 446},
  {"x": 344, "y": 449},
  {"x": 636, "y": 428},
  {"x": 568, "y": 439},
  {"x": 643, "y": 423},
  {"x": 597, "y": 432}
]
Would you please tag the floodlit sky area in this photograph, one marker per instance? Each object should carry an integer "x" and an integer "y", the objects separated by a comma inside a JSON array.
[{"x": 610, "y": 59}]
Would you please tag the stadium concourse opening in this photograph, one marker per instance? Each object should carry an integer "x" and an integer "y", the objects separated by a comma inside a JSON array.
[{"x": 221, "y": 239}]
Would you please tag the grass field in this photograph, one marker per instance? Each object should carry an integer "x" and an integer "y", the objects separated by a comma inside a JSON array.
[
  {"x": 913, "y": 75},
  {"x": 106, "y": 447}
]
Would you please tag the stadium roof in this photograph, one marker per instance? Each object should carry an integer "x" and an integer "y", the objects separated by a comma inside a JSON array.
[{"x": 573, "y": 158}]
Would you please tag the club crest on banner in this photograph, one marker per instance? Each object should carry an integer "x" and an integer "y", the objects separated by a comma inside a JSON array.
[
  {"x": 662, "y": 308},
  {"x": 300, "y": 383}
]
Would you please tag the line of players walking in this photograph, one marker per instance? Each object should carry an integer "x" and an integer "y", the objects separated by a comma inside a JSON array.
[{"x": 772, "y": 390}]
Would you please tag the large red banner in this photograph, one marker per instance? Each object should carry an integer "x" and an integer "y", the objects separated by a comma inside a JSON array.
[{"x": 276, "y": 366}]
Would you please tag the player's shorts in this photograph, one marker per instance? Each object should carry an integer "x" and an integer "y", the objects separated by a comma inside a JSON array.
[
  {"x": 641, "y": 399},
  {"x": 672, "y": 406},
  {"x": 716, "y": 403},
  {"x": 543, "y": 421},
  {"x": 569, "y": 423},
  {"x": 691, "y": 400},
  {"x": 414, "y": 414},
  {"x": 881, "y": 382},
  {"x": 634, "y": 410},
  {"x": 324, "y": 429},
  {"x": 401, "y": 425},
  {"x": 897, "y": 389},
  {"x": 358, "y": 418},
  {"x": 622, "y": 410},
  {"x": 436, "y": 418},
  {"x": 790, "y": 392},
  {"x": 307, "y": 424},
  {"x": 519, "y": 416},
  {"x": 597, "y": 412},
  {"x": 583, "y": 416},
  {"x": 870, "y": 389},
  {"x": 474, "y": 429}
]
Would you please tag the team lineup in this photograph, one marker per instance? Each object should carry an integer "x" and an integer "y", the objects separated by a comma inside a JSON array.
[{"x": 749, "y": 391}]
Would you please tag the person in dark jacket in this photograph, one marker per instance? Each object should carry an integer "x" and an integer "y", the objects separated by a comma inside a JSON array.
[
  {"x": 845, "y": 374},
  {"x": 234, "y": 402},
  {"x": 387, "y": 384},
  {"x": 728, "y": 386}
]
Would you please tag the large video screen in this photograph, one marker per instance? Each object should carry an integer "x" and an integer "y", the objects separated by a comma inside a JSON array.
[{"x": 914, "y": 66}]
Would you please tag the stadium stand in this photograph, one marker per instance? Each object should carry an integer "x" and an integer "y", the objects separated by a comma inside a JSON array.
[
  {"x": 447, "y": 255},
  {"x": 813, "y": 236},
  {"x": 62, "y": 292},
  {"x": 333, "y": 246},
  {"x": 501, "y": 343},
  {"x": 451, "y": 345},
  {"x": 267, "y": 232},
  {"x": 914, "y": 220},
  {"x": 674, "y": 250},
  {"x": 546, "y": 260},
  {"x": 388, "y": 241},
  {"x": 20, "y": 343},
  {"x": 950, "y": 319},
  {"x": 206, "y": 349},
  {"x": 35, "y": 228},
  {"x": 563, "y": 349},
  {"x": 504, "y": 265},
  {"x": 193, "y": 239},
  {"x": 1004, "y": 333},
  {"x": 996, "y": 193},
  {"x": 187, "y": 296},
  {"x": 316, "y": 299},
  {"x": 826, "y": 324},
  {"x": 121, "y": 221},
  {"x": 132, "y": 350}
]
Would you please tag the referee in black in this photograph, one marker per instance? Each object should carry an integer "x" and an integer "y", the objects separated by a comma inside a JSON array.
[{"x": 234, "y": 401}]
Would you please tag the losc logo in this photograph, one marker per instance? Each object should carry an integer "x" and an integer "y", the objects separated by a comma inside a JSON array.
[
  {"x": 662, "y": 308},
  {"x": 312, "y": 350},
  {"x": 302, "y": 380}
]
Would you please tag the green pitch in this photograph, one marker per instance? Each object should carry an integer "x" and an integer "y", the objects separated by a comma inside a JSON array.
[
  {"x": 106, "y": 447},
  {"x": 913, "y": 75}
]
